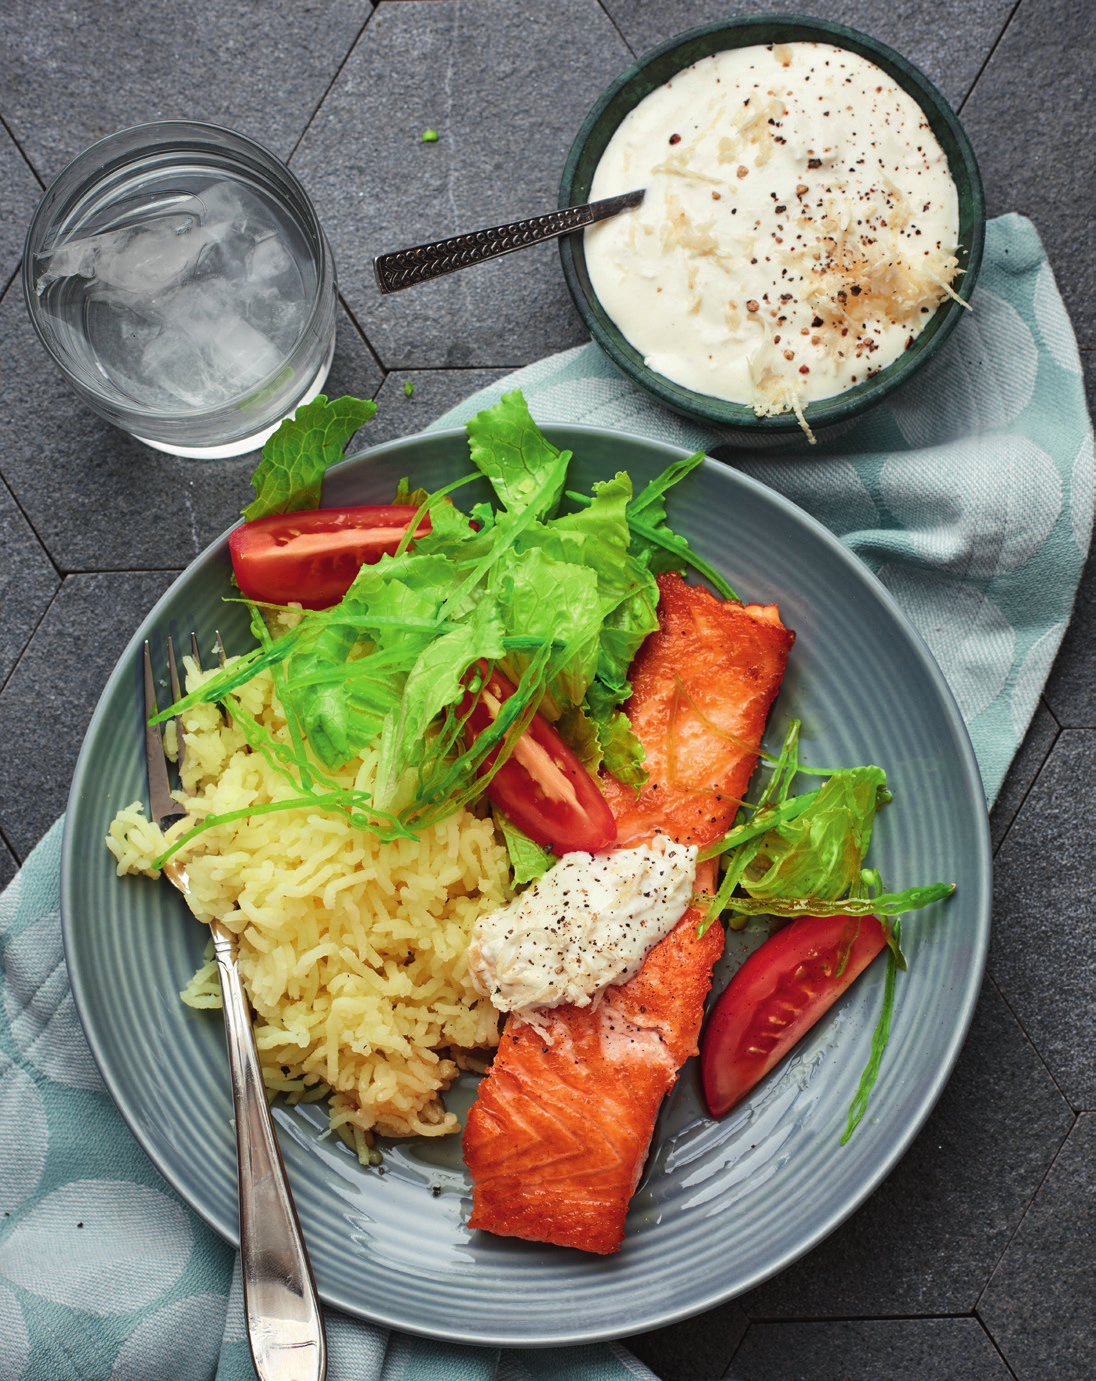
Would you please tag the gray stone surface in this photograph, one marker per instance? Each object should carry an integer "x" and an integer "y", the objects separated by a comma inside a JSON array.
[
  {"x": 1071, "y": 687},
  {"x": 20, "y": 193},
  {"x": 499, "y": 156},
  {"x": 1047, "y": 1333},
  {"x": 861, "y": 1350},
  {"x": 71, "y": 74},
  {"x": 8, "y": 864},
  {"x": 49, "y": 698},
  {"x": 948, "y": 42},
  {"x": 701, "y": 1346},
  {"x": 434, "y": 391},
  {"x": 99, "y": 500},
  {"x": 355, "y": 370},
  {"x": 1041, "y": 951},
  {"x": 988, "y": 1221},
  {"x": 1030, "y": 121},
  {"x": 928, "y": 1238},
  {"x": 1026, "y": 766},
  {"x": 27, "y": 582}
]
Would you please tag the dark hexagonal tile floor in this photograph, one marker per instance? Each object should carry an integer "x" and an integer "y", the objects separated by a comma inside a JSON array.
[{"x": 975, "y": 1257}]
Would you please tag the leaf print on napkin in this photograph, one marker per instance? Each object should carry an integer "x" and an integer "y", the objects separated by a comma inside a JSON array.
[{"x": 112, "y": 1245}]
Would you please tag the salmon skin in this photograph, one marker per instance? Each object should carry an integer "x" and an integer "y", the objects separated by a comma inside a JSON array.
[{"x": 558, "y": 1135}]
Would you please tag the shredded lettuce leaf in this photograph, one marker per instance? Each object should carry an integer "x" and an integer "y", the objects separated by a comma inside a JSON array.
[
  {"x": 656, "y": 543},
  {"x": 879, "y": 1039},
  {"x": 510, "y": 449},
  {"x": 816, "y": 855},
  {"x": 803, "y": 855},
  {"x": 527, "y": 859},
  {"x": 561, "y": 600},
  {"x": 288, "y": 477}
]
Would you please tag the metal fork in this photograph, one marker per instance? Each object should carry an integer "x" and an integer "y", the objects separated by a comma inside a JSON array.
[{"x": 284, "y": 1320}]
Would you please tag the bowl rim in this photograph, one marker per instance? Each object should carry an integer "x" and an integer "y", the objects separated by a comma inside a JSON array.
[{"x": 574, "y": 188}]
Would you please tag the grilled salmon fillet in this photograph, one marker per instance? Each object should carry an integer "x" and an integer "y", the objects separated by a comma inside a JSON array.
[
  {"x": 701, "y": 691},
  {"x": 557, "y": 1137}
]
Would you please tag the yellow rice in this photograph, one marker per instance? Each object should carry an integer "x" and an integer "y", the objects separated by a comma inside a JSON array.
[{"x": 352, "y": 951}]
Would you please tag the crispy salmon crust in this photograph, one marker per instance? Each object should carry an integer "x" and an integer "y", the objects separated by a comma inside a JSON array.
[
  {"x": 558, "y": 1135},
  {"x": 702, "y": 686}
]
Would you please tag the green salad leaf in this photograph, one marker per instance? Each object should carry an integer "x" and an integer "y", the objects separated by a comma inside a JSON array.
[
  {"x": 794, "y": 855},
  {"x": 797, "y": 855},
  {"x": 510, "y": 449},
  {"x": 879, "y": 1039},
  {"x": 655, "y": 542},
  {"x": 288, "y": 477},
  {"x": 817, "y": 854},
  {"x": 561, "y": 600},
  {"x": 527, "y": 859}
]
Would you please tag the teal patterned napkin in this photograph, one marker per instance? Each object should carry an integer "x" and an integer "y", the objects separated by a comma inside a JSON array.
[
  {"x": 969, "y": 494},
  {"x": 105, "y": 1274}
]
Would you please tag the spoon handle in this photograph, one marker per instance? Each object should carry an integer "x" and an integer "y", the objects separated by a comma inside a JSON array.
[
  {"x": 284, "y": 1320},
  {"x": 403, "y": 268}
]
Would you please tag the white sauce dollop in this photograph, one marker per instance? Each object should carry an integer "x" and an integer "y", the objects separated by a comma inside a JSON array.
[
  {"x": 799, "y": 225},
  {"x": 587, "y": 923}
]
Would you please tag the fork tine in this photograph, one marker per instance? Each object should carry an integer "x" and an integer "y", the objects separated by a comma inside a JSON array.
[
  {"x": 177, "y": 691},
  {"x": 160, "y": 800},
  {"x": 173, "y": 670},
  {"x": 221, "y": 659},
  {"x": 176, "y": 694}
]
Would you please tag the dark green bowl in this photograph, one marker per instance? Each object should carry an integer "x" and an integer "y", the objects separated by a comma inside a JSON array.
[{"x": 651, "y": 72}]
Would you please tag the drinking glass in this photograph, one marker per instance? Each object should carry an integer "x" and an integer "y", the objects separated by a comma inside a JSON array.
[{"x": 179, "y": 277}]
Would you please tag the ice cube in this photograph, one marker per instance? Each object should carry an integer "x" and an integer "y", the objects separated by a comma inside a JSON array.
[
  {"x": 206, "y": 353},
  {"x": 142, "y": 259},
  {"x": 268, "y": 261},
  {"x": 227, "y": 202},
  {"x": 76, "y": 259},
  {"x": 242, "y": 354},
  {"x": 272, "y": 294},
  {"x": 154, "y": 254},
  {"x": 150, "y": 259},
  {"x": 189, "y": 312},
  {"x": 172, "y": 364},
  {"x": 239, "y": 218}
]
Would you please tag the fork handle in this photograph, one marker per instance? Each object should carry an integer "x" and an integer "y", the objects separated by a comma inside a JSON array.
[{"x": 284, "y": 1321}]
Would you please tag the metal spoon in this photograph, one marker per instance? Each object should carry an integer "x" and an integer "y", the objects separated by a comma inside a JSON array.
[{"x": 403, "y": 268}]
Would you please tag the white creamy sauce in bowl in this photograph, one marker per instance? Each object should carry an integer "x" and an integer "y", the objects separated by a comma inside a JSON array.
[
  {"x": 587, "y": 923},
  {"x": 799, "y": 228}
]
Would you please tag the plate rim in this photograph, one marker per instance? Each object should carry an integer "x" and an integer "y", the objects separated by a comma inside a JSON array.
[{"x": 981, "y": 882}]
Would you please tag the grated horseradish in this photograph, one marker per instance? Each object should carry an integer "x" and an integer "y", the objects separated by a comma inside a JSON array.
[
  {"x": 799, "y": 228},
  {"x": 587, "y": 923}
]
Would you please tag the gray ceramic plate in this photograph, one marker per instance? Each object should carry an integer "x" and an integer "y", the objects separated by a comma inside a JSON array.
[{"x": 721, "y": 1206}]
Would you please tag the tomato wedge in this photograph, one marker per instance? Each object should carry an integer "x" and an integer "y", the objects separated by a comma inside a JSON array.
[
  {"x": 542, "y": 786},
  {"x": 312, "y": 557},
  {"x": 777, "y": 996}
]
